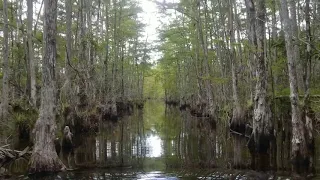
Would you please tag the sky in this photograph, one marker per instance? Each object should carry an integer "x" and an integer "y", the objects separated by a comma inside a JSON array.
[{"x": 151, "y": 17}]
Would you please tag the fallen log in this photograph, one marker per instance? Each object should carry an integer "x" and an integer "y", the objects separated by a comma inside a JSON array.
[{"x": 8, "y": 155}]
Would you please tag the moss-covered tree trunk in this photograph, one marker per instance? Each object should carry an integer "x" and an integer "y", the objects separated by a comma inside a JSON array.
[{"x": 44, "y": 157}]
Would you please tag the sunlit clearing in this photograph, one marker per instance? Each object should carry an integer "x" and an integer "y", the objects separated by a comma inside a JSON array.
[{"x": 154, "y": 144}]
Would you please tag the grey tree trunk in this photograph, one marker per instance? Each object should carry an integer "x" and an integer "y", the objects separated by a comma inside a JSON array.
[
  {"x": 68, "y": 4},
  {"x": 251, "y": 30},
  {"x": 262, "y": 112},
  {"x": 298, "y": 144},
  {"x": 115, "y": 48},
  {"x": 106, "y": 61},
  {"x": 89, "y": 52},
  {"x": 82, "y": 81},
  {"x": 44, "y": 157},
  {"x": 202, "y": 37},
  {"x": 307, "y": 75},
  {"x": 5, "y": 67},
  {"x": 237, "y": 114},
  {"x": 33, "y": 89},
  {"x": 236, "y": 102},
  {"x": 295, "y": 34}
]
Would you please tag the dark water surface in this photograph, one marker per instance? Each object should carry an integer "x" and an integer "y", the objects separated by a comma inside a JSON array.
[{"x": 160, "y": 142}]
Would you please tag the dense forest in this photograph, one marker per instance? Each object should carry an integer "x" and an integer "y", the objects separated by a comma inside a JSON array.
[
  {"x": 246, "y": 56},
  {"x": 248, "y": 65}
]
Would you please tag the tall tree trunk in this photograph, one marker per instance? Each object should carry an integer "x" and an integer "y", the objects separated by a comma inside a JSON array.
[
  {"x": 106, "y": 61},
  {"x": 307, "y": 75},
  {"x": 19, "y": 44},
  {"x": 89, "y": 52},
  {"x": 44, "y": 156},
  {"x": 82, "y": 54},
  {"x": 115, "y": 61},
  {"x": 202, "y": 37},
  {"x": 68, "y": 4},
  {"x": 251, "y": 31},
  {"x": 120, "y": 50},
  {"x": 277, "y": 143},
  {"x": 262, "y": 112},
  {"x": 31, "y": 60},
  {"x": 237, "y": 122},
  {"x": 295, "y": 34},
  {"x": 5, "y": 67},
  {"x": 299, "y": 148}
]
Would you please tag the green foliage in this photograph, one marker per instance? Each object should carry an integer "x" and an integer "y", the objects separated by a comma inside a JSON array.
[
  {"x": 280, "y": 66},
  {"x": 283, "y": 92},
  {"x": 219, "y": 81},
  {"x": 249, "y": 103},
  {"x": 315, "y": 91},
  {"x": 39, "y": 36},
  {"x": 153, "y": 87},
  {"x": 24, "y": 116}
]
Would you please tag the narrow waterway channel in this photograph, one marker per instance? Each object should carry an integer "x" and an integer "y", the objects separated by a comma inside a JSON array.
[{"x": 158, "y": 142}]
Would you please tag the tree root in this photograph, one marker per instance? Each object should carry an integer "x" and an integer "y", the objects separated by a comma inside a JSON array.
[{"x": 45, "y": 162}]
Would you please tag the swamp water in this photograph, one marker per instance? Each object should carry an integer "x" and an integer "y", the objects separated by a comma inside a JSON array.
[{"x": 162, "y": 142}]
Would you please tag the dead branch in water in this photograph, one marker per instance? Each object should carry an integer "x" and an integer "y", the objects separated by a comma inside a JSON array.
[
  {"x": 240, "y": 134},
  {"x": 8, "y": 155}
]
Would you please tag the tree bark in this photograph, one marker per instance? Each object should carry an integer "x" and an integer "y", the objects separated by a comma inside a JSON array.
[
  {"x": 82, "y": 83},
  {"x": 5, "y": 67},
  {"x": 68, "y": 4},
  {"x": 237, "y": 122},
  {"x": 44, "y": 157},
  {"x": 202, "y": 37},
  {"x": 89, "y": 53},
  {"x": 307, "y": 75},
  {"x": 115, "y": 48},
  {"x": 298, "y": 144},
  {"x": 106, "y": 61},
  {"x": 251, "y": 31},
  {"x": 262, "y": 112},
  {"x": 295, "y": 35},
  {"x": 33, "y": 89}
]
